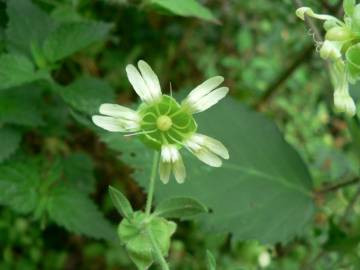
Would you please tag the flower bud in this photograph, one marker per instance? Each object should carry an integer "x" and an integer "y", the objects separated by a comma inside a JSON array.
[
  {"x": 330, "y": 50},
  {"x": 338, "y": 33},
  {"x": 344, "y": 102}
]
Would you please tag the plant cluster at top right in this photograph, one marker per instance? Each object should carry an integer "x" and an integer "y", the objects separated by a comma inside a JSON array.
[{"x": 341, "y": 48}]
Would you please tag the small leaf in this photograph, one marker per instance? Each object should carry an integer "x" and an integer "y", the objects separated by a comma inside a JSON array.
[
  {"x": 186, "y": 8},
  {"x": 72, "y": 37},
  {"x": 9, "y": 142},
  {"x": 121, "y": 202},
  {"x": 16, "y": 70},
  {"x": 353, "y": 61},
  {"x": 180, "y": 207},
  {"x": 211, "y": 262}
]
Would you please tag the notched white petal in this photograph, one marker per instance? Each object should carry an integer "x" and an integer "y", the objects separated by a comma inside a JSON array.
[
  {"x": 151, "y": 79},
  {"x": 119, "y": 111},
  {"x": 208, "y": 158},
  {"x": 108, "y": 123},
  {"x": 164, "y": 171},
  {"x": 179, "y": 171},
  {"x": 205, "y": 88}
]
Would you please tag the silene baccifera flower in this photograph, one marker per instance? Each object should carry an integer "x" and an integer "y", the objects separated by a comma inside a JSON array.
[
  {"x": 341, "y": 48},
  {"x": 165, "y": 125}
]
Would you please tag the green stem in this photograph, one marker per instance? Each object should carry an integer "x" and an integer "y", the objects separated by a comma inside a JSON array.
[
  {"x": 159, "y": 257},
  {"x": 152, "y": 183}
]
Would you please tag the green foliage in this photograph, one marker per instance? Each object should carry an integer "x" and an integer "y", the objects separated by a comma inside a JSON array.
[
  {"x": 9, "y": 142},
  {"x": 261, "y": 175},
  {"x": 69, "y": 38},
  {"x": 16, "y": 70},
  {"x": 211, "y": 262},
  {"x": 179, "y": 207},
  {"x": 186, "y": 8}
]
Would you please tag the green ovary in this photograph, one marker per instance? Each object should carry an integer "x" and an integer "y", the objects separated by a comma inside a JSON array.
[{"x": 165, "y": 122}]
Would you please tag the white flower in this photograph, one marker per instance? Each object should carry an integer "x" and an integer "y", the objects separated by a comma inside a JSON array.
[
  {"x": 205, "y": 95},
  {"x": 331, "y": 50},
  {"x": 146, "y": 84},
  {"x": 207, "y": 149},
  {"x": 264, "y": 259},
  {"x": 165, "y": 125},
  {"x": 171, "y": 161},
  {"x": 118, "y": 119}
]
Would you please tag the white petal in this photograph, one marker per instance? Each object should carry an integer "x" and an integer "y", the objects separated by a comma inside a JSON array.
[
  {"x": 204, "y": 88},
  {"x": 210, "y": 99},
  {"x": 209, "y": 158},
  {"x": 108, "y": 123},
  {"x": 164, "y": 171},
  {"x": 216, "y": 147},
  {"x": 166, "y": 153},
  {"x": 179, "y": 171},
  {"x": 151, "y": 80},
  {"x": 138, "y": 83},
  {"x": 119, "y": 111}
]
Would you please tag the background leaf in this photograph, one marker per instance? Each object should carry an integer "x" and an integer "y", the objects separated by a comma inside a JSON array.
[
  {"x": 263, "y": 192},
  {"x": 16, "y": 70},
  {"x": 9, "y": 142},
  {"x": 186, "y": 8},
  {"x": 180, "y": 207},
  {"x": 72, "y": 37}
]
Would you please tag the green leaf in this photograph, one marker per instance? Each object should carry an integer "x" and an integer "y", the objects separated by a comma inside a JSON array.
[
  {"x": 78, "y": 171},
  {"x": 121, "y": 202},
  {"x": 16, "y": 70},
  {"x": 353, "y": 61},
  {"x": 9, "y": 141},
  {"x": 263, "y": 192},
  {"x": 349, "y": 6},
  {"x": 211, "y": 262},
  {"x": 180, "y": 207},
  {"x": 19, "y": 182},
  {"x": 20, "y": 106},
  {"x": 185, "y": 8},
  {"x": 71, "y": 37},
  {"x": 87, "y": 94},
  {"x": 28, "y": 25},
  {"x": 73, "y": 210}
]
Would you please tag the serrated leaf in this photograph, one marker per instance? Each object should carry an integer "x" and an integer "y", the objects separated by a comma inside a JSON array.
[
  {"x": 69, "y": 38},
  {"x": 185, "y": 8},
  {"x": 28, "y": 24},
  {"x": 73, "y": 210},
  {"x": 121, "y": 202},
  {"x": 20, "y": 106},
  {"x": 19, "y": 182},
  {"x": 87, "y": 94},
  {"x": 16, "y": 70},
  {"x": 264, "y": 173},
  {"x": 9, "y": 141},
  {"x": 179, "y": 207},
  {"x": 78, "y": 171}
]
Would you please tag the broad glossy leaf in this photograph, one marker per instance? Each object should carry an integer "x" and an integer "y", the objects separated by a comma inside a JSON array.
[
  {"x": 9, "y": 141},
  {"x": 186, "y": 8},
  {"x": 69, "y": 38},
  {"x": 16, "y": 70},
  {"x": 263, "y": 192}
]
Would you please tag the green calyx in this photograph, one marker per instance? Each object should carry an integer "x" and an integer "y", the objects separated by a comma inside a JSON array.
[
  {"x": 135, "y": 233},
  {"x": 165, "y": 122}
]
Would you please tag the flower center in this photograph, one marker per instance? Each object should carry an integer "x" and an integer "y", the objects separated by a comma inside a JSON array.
[{"x": 164, "y": 123}]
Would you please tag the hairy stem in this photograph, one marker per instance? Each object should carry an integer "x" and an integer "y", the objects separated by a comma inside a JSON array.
[{"x": 152, "y": 183}]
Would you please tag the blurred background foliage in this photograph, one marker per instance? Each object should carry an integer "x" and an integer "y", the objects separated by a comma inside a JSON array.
[{"x": 55, "y": 169}]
